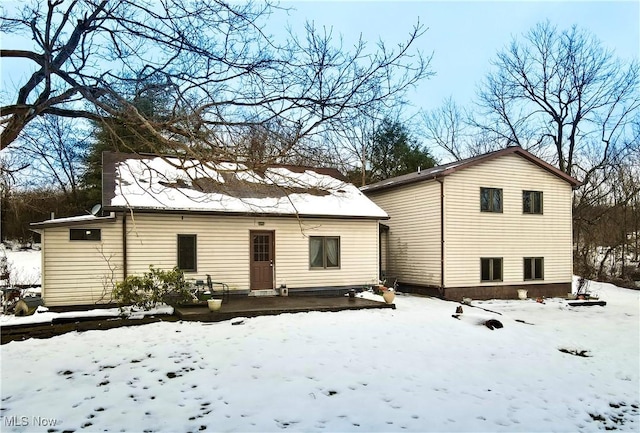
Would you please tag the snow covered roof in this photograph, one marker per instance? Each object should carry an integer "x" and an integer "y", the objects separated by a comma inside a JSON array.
[
  {"x": 446, "y": 169},
  {"x": 156, "y": 183}
]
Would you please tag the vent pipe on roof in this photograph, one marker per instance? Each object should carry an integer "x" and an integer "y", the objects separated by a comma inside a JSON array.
[
  {"x": 53, "y": 215},
  {"x": 418, "y": 169}
]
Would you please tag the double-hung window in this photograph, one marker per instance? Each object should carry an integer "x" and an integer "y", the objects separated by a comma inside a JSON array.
[
  {"x": 324, "y": 252},
  {"x": 491, "y": 199},
  {"x": 187, "y": 257},
  {"x": 533, "y": 268},
  {"x": 532, "y": 202},
  {"x": 491, "y": 269}
]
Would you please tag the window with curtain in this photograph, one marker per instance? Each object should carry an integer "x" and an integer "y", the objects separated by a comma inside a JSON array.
[{"x": 324, "y": 252}]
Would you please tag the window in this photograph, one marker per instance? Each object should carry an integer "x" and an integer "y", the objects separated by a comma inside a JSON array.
[
  {"x": 324, "y": 252},
  {"x": 262, "y": 248},
  {"x": 534, "y": 268},
  {"x": 491, "y": 269},
  {"x": 491, "y": 199},
  {"x": 187, "y": 258},
  {"x": 85, "y": 234},
  {"x": 532, "y": 202}
]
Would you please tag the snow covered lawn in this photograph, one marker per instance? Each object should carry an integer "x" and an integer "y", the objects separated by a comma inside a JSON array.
[
  {"x": 411, "y": 369},
  {"x": 24, "y": 266}
]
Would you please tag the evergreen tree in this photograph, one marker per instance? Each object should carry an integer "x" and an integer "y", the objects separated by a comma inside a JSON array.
[
  {"x": 394, "y": 151},
  {"x": 150, "y": 99}
]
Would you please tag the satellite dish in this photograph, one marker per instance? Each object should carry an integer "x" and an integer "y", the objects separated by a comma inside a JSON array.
[{"x": 95, "y": 210}]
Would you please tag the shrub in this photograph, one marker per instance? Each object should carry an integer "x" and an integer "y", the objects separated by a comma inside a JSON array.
[{"x": 153, "y": 287}]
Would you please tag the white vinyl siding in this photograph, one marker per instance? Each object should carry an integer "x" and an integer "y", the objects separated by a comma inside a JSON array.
[
  {"x": 80, "y": 272},
  {"x": 414, "y": 231},
  {"x": 74, "y": 273},
  {"x": 512, "y": 235},
  {"x": 223, "y": 247}
]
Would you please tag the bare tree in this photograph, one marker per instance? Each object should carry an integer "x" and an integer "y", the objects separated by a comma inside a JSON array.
[
  {"x": 566, "y": 98},
  {"x": 55, "y": 147},
  {"x": 10, "y": 167},
  {"x": 214, "y": 59},
  {"x": 556, "y": 92},
  {"x": 446, "y": 128},
  {"x": 353, "y": 143}
]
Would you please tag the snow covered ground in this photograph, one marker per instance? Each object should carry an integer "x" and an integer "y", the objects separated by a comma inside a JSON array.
[
  {"x": 24, "y": 266},
  {"x": 43, "y": 315},
  {"x": 411, "y": 369}
]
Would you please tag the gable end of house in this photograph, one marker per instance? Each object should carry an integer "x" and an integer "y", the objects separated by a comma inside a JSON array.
[{"x": 453, "y": 167}]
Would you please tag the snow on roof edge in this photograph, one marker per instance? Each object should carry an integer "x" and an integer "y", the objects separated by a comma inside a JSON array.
[{"x": 87, "y": 219}]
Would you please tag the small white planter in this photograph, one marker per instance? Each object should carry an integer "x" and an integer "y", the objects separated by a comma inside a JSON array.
[
  {"x": 522, "y": 294},
  {"x": 214, "y": 304}
]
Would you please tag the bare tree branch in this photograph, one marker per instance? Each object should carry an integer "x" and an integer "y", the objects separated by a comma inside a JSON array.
[{"x": 215, "y": 61}]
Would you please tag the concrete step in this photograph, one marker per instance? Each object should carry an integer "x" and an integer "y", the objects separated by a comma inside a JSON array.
[{"x": 267, "y": 292}]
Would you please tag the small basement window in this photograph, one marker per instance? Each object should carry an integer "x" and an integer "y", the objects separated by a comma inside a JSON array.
[
  {"x": 85, "y": 234},
  {"x": 187, "y": 257}
]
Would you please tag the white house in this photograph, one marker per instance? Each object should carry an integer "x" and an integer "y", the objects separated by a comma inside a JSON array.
[
  {"x": 253, "y": 229},
  {"x": 480, "y": 228}
]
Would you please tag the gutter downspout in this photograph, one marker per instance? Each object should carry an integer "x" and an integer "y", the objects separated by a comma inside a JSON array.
[
  {"x": 441, "y": 181},
  {"x": 124, "y": 245}
]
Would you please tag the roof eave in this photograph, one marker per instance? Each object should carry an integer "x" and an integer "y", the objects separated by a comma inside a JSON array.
[
  {"x": 366, "y": 190},
  {"x": 68, "y": 223},
  {"x": 477, "y": 160},
  {"x": 242, "y": 214}
]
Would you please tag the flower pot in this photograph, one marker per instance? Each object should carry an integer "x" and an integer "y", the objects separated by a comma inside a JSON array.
[
  {"x": 214, "y": 304},
  {"x": 388, "y": 296},
  {"x": 522, "y": 294}
]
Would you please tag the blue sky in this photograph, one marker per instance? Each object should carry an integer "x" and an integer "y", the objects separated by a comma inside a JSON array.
[{"x": 465, "y": 36}]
